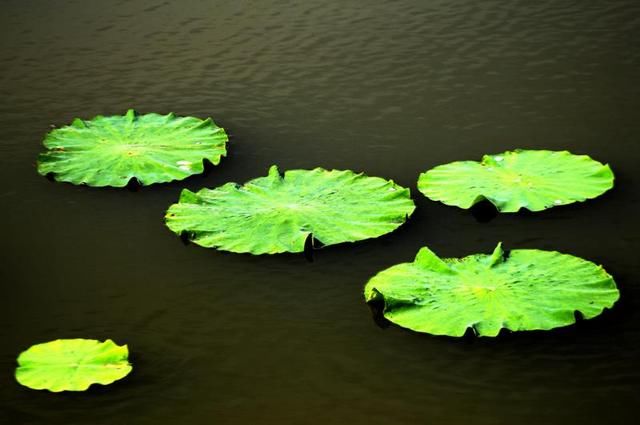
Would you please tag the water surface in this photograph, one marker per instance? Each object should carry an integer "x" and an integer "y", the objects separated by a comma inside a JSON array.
[{"x": 389, "y": 88}]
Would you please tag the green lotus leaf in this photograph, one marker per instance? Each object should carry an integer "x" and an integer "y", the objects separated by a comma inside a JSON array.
[
  {"x": 531, "y": 179},
  {"x": 279, "y": 213},
  {"x": 111, "y": 151},
  {"x": 72, "y": 364},
  {"x": 528, "y": 289}
]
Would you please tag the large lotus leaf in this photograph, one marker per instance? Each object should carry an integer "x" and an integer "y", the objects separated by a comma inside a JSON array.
[
  {"x": 528, "y": 289},
  {"x": 279, "y": 213},
  {"x": 531, "y": 179},
  {"x": 72, "y": 364},
  {"x": 111, "y": 151}
]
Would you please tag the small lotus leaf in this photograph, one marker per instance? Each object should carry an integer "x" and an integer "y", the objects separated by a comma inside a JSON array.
[
  {"x": 72, "y": 364},
  {"x": 528, "y": 289},
  {"x": 111, "y": 151},
  {"x": 531, "y": 179},
  {"x": 279, "y": 213}
]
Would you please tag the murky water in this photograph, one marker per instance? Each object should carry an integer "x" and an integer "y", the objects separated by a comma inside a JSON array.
[{"x": 389, "y": 88}]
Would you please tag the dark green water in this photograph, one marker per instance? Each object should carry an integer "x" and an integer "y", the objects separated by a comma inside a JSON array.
[{"x": 389, "y": 88}]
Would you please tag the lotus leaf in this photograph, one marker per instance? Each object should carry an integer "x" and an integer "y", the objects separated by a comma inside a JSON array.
[
  {"x": 280, "y": 213},
  {"x": 527, "y": 289},
  {"x": 531, "y": 179},
  {"x": 111, "y": 151},
  {"x": 72, "y": 364}
]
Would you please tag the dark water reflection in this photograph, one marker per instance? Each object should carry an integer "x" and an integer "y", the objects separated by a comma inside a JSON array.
[{"x": 390, "y": 88}]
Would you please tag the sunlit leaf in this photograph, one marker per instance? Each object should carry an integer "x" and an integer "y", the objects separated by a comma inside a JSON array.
[
  {"x": 527, "y": 289},
  {"x": 279, "y": 213},
  {"x": 529, "y": 179},
  {"x": 151, "y": 148},
  {"x": 72, "y": 364}
]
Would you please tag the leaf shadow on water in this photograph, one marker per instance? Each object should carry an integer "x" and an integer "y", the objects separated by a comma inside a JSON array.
[{"x": 484, "y": 211}]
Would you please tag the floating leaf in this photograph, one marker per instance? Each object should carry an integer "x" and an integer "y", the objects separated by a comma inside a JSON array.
[
  {"x": 280, "y": 213},
  {"x": 72, "y": 364},
  {"x": 531, "y": 179},
  {"x": 111, "y": 151},
  {"x": 527, "y": 290}
]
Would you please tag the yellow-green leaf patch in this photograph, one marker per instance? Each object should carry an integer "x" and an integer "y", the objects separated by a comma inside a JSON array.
[
  {"x": 527, "y": 289},
  {"x": 531, "y": 179},
  {"x": 151, "y": 148},
  {"x": 72, "y": 364},
  {"x": 279, "y": 213}
]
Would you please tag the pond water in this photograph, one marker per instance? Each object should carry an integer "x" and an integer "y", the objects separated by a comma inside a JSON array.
[{"x": 389, "y": 88}]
